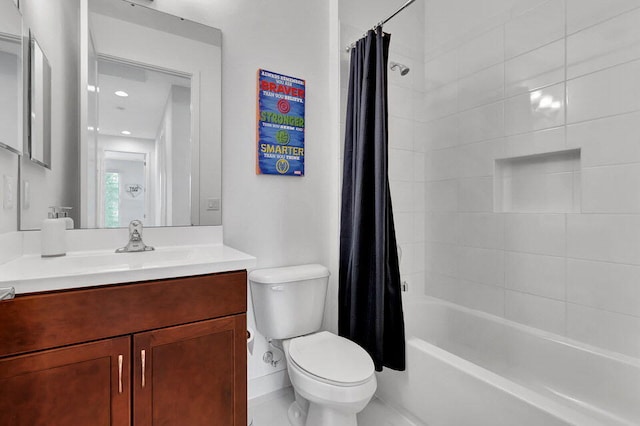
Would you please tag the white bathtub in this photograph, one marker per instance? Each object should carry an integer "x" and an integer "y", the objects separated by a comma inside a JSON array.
[{"x": 465, "y": 367}]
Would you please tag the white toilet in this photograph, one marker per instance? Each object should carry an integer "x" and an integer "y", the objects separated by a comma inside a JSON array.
[{"x": 333, "y": 377}]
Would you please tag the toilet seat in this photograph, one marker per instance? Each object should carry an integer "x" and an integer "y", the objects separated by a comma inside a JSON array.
[{"x": 331, "y": 359}]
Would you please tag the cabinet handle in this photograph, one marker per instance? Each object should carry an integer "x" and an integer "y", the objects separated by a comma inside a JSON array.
[
  {"x": 120, "y": 358},
  {"x": 142, "y": 356}
]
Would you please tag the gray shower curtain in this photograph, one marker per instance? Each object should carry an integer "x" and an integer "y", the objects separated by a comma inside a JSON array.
[{"x": 370, "y": 303}]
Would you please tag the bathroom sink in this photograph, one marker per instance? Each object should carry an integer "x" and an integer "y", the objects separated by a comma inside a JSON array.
[{"x": 32, "y": 273}]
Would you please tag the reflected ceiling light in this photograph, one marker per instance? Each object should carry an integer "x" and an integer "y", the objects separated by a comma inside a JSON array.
[
  {"x": 93, "y": 88},
  {"x": 535, "y": 95},
  {"x": 546, "y": 102},
  {"x": 125, "y": 132},
  {"x": 90, "y": 128},
  {"x": 122, "y": 94},
  {"x": 556, "y": 105}
]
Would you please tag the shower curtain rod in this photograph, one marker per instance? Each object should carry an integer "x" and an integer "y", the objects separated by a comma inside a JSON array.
[{"x": 384, "y": 21}]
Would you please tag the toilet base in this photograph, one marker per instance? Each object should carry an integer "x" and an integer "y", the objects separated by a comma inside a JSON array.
[{"x": 297, "y": 417}]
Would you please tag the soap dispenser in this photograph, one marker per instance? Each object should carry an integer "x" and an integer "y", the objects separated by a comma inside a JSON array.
[{"x": 53, "y": 235}]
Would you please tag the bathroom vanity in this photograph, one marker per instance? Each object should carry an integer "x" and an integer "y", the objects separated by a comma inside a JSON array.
[{"x": 168, "y": 351}]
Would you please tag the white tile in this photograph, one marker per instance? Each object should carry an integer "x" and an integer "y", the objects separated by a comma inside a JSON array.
[
  {"x": 400, "y": 133},
  {"x": 545, "y": 193},
  {"x": 441, "y": 102},
  {"x": 482, "y": 123},
  {"x": 610, "y": 43},
  {"x": 540, "y": 109},
  {"x": 476, "y": 194},
  {"x": 535, "y": 274},
  {"x": 481, "y": 52},
  {"x": 419, "y": 167},
  {"x": 605, "y": 237},
  {"x": 419, "y": 195},
  {"x": 443, "y": 132},
  {"x": 611, "y": 140},
  {"x": 538, "y": 142},
  {"x": 481, "y": 87},
  {"x": 535, "y": 233},
  {"x": 442, "y": 195},
  {"x": 534, "y": 311},
  {"x": 442, "y": 227},
  {"x": 483, "y": 297},
  {"x": 485, "y": 230},
  {"x": 400, "y": 165},
  {"x": 607, "y": 330},
  {"x": 608, "y": 92},
  {"x": 477, "y": 159},
  {"x": 481, "y": 265},
  {"x": 442, "y": 164},
  {"x": 420, "y": 136},
  {"x": 400, "y": 101},
  {"x": 442, "y": 258},
  {"x": 611, "y": 189},
  {"x": 377, "y": 413},
  {"x": 536, "y": 27},
  {"x": 539, "y": 68},
  {"x": 441, "y": 70},
  {"x": 609, "y": 286},
  {"x": 407, "y": 260},
  {"x": 401, "y": 196},
  {"x": 419, "y": 226},
  {"x": 404, "y": 227},
  {"x": 584, "y": 13}
]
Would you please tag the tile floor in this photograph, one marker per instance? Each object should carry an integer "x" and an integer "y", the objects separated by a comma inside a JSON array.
[{"x": 271, "y": 410}]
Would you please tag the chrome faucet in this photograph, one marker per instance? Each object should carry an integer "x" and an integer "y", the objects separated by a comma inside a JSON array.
[{"x": 135, "y": 243}]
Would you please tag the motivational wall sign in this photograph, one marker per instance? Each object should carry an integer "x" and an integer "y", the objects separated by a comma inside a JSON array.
[{"x": 280, "y": 131}]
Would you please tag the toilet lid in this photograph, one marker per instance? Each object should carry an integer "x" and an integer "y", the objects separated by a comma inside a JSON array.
[{"x": 331, "y": 357}]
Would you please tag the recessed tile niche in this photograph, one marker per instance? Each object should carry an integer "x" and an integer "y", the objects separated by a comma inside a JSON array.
[{"x": 548, "y": 182}]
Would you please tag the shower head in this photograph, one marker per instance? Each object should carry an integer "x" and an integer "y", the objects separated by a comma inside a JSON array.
[{"x": 404, "y": 70}]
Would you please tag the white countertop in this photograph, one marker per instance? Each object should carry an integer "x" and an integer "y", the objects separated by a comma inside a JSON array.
[{"x": 32, "y": 273}]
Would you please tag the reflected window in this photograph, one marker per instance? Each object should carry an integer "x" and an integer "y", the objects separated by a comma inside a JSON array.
[{"x": 112, "y": 200}]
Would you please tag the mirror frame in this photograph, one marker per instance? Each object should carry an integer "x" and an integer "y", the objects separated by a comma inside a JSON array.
[{"x": 38, "y": 146}]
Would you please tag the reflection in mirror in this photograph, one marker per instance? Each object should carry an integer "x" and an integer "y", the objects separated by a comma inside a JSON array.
[
  {"x": 143, "y": 148},
  {"x": 146, "y": 153},
  {"x": 39, "y": 105},
  {"x": 10, "y": 76},
  {"x": 56, "y": 25}
]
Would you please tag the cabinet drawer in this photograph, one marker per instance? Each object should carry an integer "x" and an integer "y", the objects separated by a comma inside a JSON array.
[{"x": 41, "y": 321}]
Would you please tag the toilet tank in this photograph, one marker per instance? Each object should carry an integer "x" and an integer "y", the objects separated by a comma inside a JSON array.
[{"x": 289, "y": 301}]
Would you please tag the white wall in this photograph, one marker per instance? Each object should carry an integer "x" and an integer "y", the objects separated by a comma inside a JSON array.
[
  {"x": 55, "y": 187},
  {"x": 563, "y": 254},
  {"x": 280, "y": 220}
]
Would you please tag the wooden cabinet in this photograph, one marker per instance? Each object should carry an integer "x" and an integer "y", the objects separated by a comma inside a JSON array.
[
  {"x": 169, "y": 352},
  {"x": 79, "y": 385}
]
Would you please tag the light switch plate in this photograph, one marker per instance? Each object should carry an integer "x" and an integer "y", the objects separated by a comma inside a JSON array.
[
  {"x": 26, "y": 192},
  {"x": 8, "y": 192},
  {"x": 213, "y": 204}
]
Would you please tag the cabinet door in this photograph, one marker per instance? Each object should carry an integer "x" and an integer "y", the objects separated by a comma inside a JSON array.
[
  {"x": 84, "y": 384},
  {"x": 193, "y": 374}
]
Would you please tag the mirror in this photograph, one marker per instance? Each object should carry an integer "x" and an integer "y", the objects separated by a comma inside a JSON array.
[
  {"x": 39, "y": 147},
  {"x": 151, "y": 152},
  {"x": 152, "y": 141},
  {"x": 11, "y": 88}
]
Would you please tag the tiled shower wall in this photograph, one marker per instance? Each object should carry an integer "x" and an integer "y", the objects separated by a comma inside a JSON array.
[
  {"x": 406, "y": 122},
  {"x": 550, "y": 92}
]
